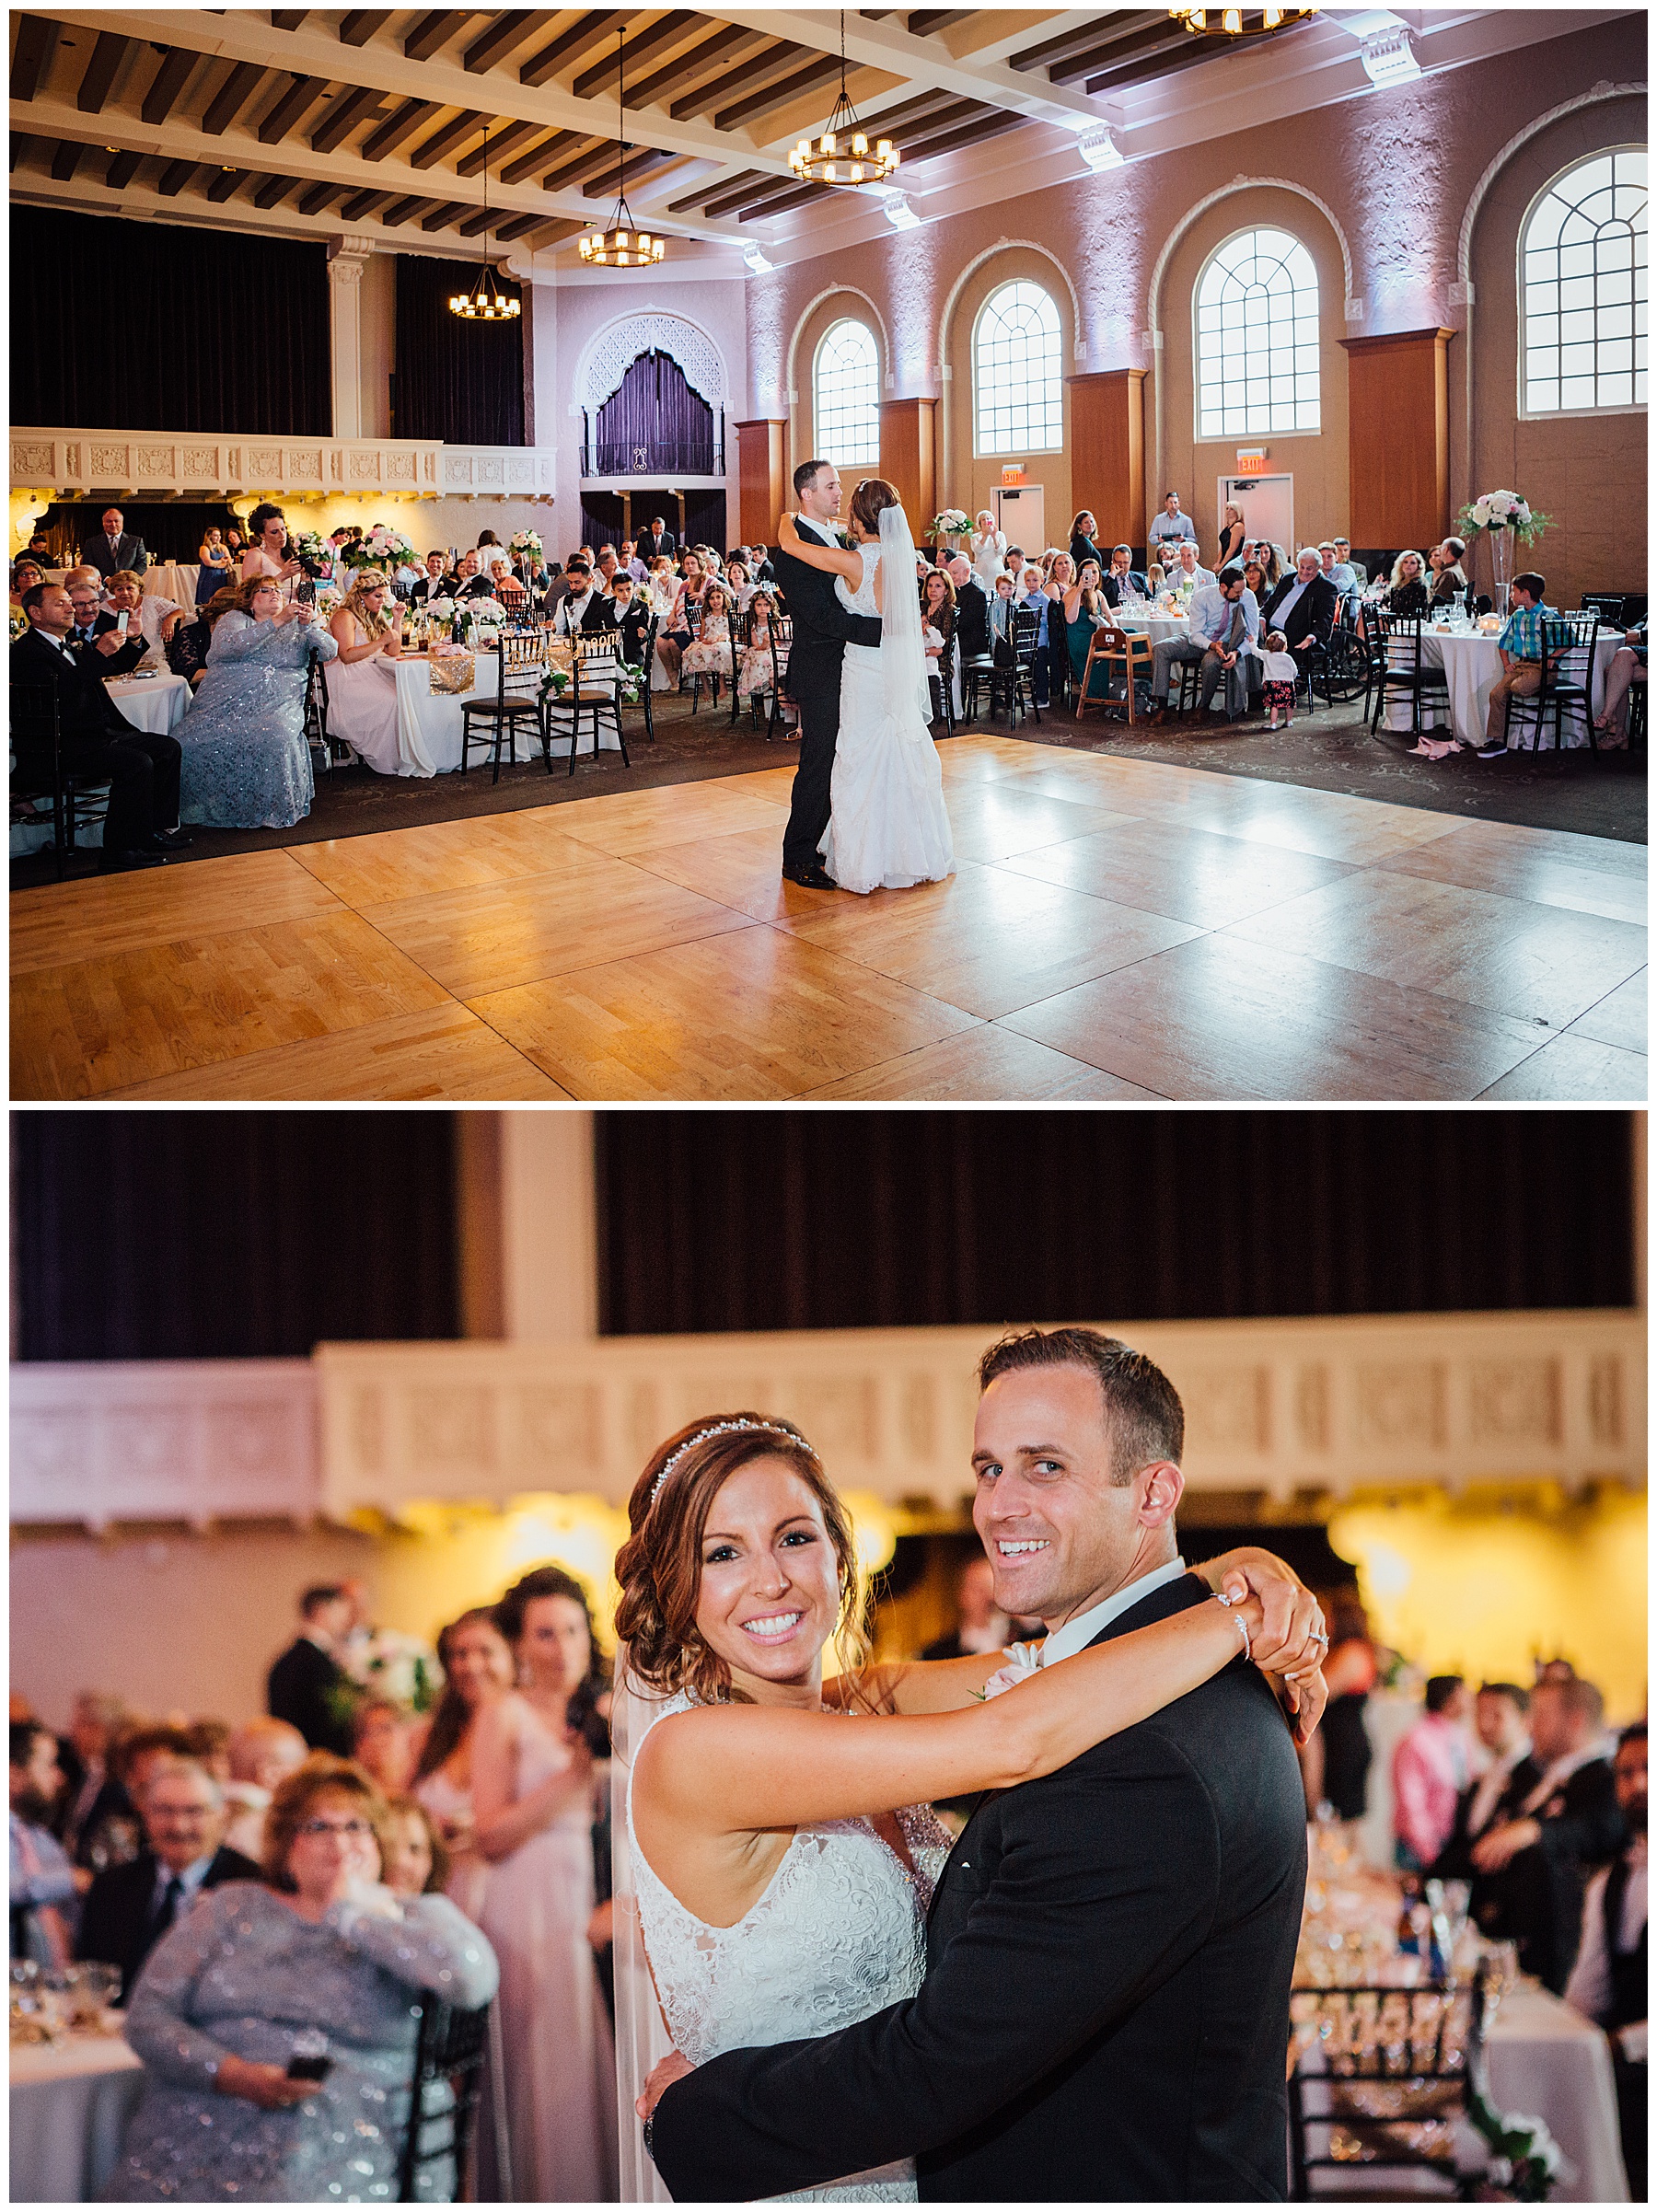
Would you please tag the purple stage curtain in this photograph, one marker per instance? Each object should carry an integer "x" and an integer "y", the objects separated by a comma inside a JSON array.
[{"x": 655, "y": 415}]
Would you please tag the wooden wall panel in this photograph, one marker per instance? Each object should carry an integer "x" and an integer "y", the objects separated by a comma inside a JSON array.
[
  {"x": 1398, "y": 416},
  {"x": 1107, "y": 445},
  {"x": 762, "y": 489},
  {"x": 908, "y": 457}
]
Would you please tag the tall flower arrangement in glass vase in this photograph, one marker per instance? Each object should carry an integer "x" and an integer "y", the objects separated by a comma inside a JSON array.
[
  {"x": 383, "y": 548},
  {"x": 1504, "y": 519}
]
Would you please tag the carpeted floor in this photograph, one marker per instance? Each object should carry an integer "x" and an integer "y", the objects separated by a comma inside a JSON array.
[{"x": 1598, "y": 795}]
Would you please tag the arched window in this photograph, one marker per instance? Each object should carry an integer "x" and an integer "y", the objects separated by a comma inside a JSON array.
[
  {"x": 1257, "y": 338},
  {"x": 846, "y": 398},
  {"x": 1018, "y": 389},
  {"x": 1583, "y": 288}
]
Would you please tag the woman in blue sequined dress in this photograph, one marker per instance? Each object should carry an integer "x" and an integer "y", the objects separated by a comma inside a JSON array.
[
  {"x": 226, "y": 1994},
  {"x": 246, "y": 764}
]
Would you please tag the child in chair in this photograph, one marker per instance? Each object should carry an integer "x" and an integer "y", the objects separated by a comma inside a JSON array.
[{"x": 1280, "y": 676}]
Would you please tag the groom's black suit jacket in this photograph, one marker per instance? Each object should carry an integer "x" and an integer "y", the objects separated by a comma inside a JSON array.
[
  {"x": 1106, "y": 2008},
  {"x": 822, "y": 630}
]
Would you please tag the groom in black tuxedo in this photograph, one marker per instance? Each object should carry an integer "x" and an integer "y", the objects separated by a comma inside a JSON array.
[
  {"x": 1105, "y": 2011},
  {"x": 822, "y": 630}
]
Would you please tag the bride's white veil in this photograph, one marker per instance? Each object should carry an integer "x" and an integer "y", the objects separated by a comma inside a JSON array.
[
  {"x": 903, "y": 656},
  {"x": 642, "y": 2035}
]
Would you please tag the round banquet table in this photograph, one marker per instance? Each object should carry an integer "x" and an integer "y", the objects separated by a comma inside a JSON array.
[
  {"x": 174, "y": 580},
  {"x": 1544, "y": 2058},
  {"x": 155, "y": 703},
  {"x": 1158, "y": 628},
  {"x": 428, "y": 722},
  {"x": 1471, "y": 660},
  {"x": 70, "y": 2105}
]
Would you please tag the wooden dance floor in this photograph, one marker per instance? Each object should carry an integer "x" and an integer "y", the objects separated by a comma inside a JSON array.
[{"x": 1118, "y": 929}]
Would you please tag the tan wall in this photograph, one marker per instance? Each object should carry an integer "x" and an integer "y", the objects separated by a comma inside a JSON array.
[
  {"x": 1317, "y": 462},
  {"x": 1589, "y": 471}
]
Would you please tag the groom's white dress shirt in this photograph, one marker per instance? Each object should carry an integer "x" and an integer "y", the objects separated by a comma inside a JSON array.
[{"x": 1076, "y": 1635}]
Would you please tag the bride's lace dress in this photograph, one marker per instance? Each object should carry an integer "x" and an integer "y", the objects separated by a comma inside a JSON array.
[
  {"x": 839, "y": 1933},
  {"x": 887, "y": 826}
]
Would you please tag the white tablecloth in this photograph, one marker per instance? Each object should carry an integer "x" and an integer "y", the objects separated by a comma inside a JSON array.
[
  {"x": 174, "y": 580},
  {"x": 1156, "y": 627},
  {"x": 428, "y": 723},
  {"x": 1546, "y": 2059},
  {"x": 155, "y": 703},
  {"x": 1472, "y": 661},
  {"x": 69, "y": 2104}
]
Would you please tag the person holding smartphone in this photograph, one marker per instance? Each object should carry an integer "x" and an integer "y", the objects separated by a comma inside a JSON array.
[{"x": 274, "y": 2020}]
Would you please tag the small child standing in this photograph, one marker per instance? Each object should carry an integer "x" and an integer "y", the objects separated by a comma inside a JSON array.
[{"x": 1280, "y": 676}]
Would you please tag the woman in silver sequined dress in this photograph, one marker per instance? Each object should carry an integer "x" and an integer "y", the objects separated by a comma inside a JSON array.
[
  {"x": 227, "y": 1993},
  {"x": 246, "y": 764}
]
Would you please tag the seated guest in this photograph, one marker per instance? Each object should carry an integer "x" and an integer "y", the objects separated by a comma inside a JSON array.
[
  {"x": 1343, "y": 555},
  {"x": 658, "y": 538},
  {"x": 1449, "y": 578},
  {"x": 105, "y": 646},
  {"x": 1018, "y": 568},
  {"x": 152, "y": 620},
  {"x": 736, "y": 577},
  {"x": 1115, "y": 584},
  {"x": 97, "y": 743},
  {"x": 129, "y": 1909},
  {"x": 95, "y": 1791},
  {"x": 712, "y": 650},
  {"x": 43, "y": 1883},
  {"x": 1628, "y": 667},
  {"x": 1406, "y": 588},
  {"x": 584, "y": 607},
  {"x": 307, "y": 1687},
  {"x": 362, "y": 677},
  {"x": 630, "y": 616},
  {"x": 755, "y": 675},
  {"x": 209, "y": 1747},
  {"x": 1270, "y": 561},
  {"x": 318, "y": 1945},
  {"x": 759, "y": 566},
  {"x": 138, "y": 1752},
  {"x": 1535, "y": 1866},
  {"x": 1171, "y": 526},
  {"x": 937, "y": 613},
  {"x": 1223, "y": 635},
  {"x": 246, "y": 764},
  {"x": 416, "y": 1858},
  {"x": 972, "y": 608},
  {"x": 503, "y": 585},
  {"x": 1304, "y": 607},
  {"x": 680, "y": 627},
  {"x": 113, "y": 549},
  {"x": 24, "y": 571},
  {"x": 213, "y": 553},
  {"x": 188, "y": 647},
  {"x": 1083, "y": 530},
  {"x": 1608, "y": 1983},
  {"x": 469, "y": 584},
  {"x": 1253, "y": 576},
  {"x": 263, "y": 1752},
  {"x": 1500, "y": 1722},
  {"x": 1184, "y": 571},
  {"x": 437, "y": 584},
  {"x": 38, "y": 549},
  {"x": 1340, "y": 572},
  {"x": 981, "y": 1625},
  {"x": 1430, "y": 1772},
  {"x": 630, "y": 561},
  {"x": 1527, "y": 643}
]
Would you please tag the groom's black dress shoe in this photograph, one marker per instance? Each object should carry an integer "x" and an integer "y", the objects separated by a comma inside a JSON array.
[{"x": 814, "y": 878}]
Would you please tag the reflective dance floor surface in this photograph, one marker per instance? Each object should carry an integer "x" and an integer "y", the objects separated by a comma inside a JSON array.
[{"x": 1118, "y": 929}]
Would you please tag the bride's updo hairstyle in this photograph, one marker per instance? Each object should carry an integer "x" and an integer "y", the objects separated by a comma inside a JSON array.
[
  {"x": 868, "y": 502},
  {"x": 659, "y": 1567}
]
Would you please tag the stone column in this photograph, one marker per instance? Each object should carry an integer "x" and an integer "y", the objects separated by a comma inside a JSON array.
[
  {"x": 347, "y": 257},
  {"x": 528, "y": 1228}
]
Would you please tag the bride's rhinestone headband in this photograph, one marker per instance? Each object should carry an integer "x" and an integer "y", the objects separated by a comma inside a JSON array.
[{"x": 726, "y": 1429}]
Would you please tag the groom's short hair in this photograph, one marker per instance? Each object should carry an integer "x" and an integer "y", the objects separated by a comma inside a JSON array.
[
  {"x": 804, "y": 473},
  {"x": 1143, "y": 1413}
]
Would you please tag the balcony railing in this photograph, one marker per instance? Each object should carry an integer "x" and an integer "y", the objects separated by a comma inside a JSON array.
[
  {"x": 657, "y": 463},
  {"x": 155, "y": 464}
]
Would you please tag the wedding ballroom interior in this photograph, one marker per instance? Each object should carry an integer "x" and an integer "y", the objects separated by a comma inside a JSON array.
[
  {"x": 405, "y": 408},
  {"x": 358, "y": 1404}
]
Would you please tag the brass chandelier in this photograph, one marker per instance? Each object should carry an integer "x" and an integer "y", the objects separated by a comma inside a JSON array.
[
  {"x": 623, "y": 245},
  {"x": 843, "y": 154},
  {"x": 485, "y": 302},
  {"x": 1237, "y": 22}
]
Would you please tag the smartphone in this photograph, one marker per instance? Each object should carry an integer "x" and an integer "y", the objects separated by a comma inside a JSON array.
[
  {"x": 121, "y": 623},
  {"x": 305, "y": 593},
  {"x": 301, "y": 2068}
]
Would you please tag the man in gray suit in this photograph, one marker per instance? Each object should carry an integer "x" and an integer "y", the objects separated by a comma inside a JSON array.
[{"x": 114, "y": 550}]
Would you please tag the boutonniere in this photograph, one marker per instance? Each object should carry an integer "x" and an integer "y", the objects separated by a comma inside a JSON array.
[{"x": 1023, "y": 1660}]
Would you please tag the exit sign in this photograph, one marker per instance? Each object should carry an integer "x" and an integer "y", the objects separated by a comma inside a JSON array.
[
  {"x": 1251, "y": 460},
  {"x": 1012, "y": 473}
]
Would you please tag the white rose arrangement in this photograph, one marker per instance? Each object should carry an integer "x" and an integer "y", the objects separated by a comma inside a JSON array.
[{"x": 1502, "y": 511}]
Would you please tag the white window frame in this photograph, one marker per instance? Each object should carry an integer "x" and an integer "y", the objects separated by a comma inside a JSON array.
[
  {"x": 1296, "y": 347},
  {"x": 1521, "y": 326},
  {"x": 822, "y": 444},
  {"x": 1050, "y": 410}
]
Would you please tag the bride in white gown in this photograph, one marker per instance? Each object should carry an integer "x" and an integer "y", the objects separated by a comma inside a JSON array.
[
  {"x": 775, "y": 1846},
  {"x": 888, "y": 824}
]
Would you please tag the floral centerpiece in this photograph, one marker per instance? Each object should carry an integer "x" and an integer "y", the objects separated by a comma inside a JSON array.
[
  {"x": 1505, "y": 519},
  {"x": 1524, "y": 2157},
  {"x": 310, "y": 545},
  {"x": 950, "y": 522},
  {"x": 382, "y": 548},
  {"x": 482, "y": 619},
  {"x": 527, "y": 542},
  {"x": 383, "y": 1663},
  {"x": 328, "y": 599}
]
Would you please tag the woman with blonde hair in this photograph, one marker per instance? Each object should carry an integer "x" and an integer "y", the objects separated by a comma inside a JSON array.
[
  {"x": 1407, "y": 587},
  {"x": 319, "y": 1960},
  {"x": 362, "y": 681},
  {"x": 987, "y": 548},
  {"x": 1232, "y": 534}
]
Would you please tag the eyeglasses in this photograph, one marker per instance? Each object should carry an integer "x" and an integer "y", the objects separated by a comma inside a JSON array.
[{"x": 336, "y": 1828}]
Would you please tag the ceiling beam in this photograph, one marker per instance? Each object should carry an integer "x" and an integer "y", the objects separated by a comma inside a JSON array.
[
  {"x": 288, "y": 19},
  {"x": 517, "y": 227},
  {"x": 400, "y": 210},
  {"x": 231, "y": 97},
  {"x": 963, "y": 134},
  {"x": 1067, "y": 42},
  {"x": 1150, "y": 37},
  {"x": 639, "y": 163},
  {"x": 713, "y": 190},
  {"x": 591, "y": 158},
  {"x": 602, "y": 75},
  {"x": 177, "y": 62},
  {"x": 453, "y": 134},
  {"x": 551, "y": 234},
  {"x": 272, "y": 189},
  {"x": 926, "y": 22},
  {"x": 174, "y": 178},
  {"x": 1191, "y": 55},
  {"x": 506, "y": 35},
  {"x": 122, "y": 168},
  {"x": 525, "y": 165},
  {"x": 778, "y": 204},
  {"x": 225, "y": 185},
  {"x": 36, "y": 40},
  {"x": 357, "y": 28},
  {"x": 342, "y": 118},
  {"x": 441, "y": 218},
  {"x": 771, "y": 62},
  {"x": 775, "y": 96},
  {"x": 316, "y": 197},
  {"x": 100, "y": 72},
  {"x": 356, "y": 209},
  {"x": 568, "y": 47},
  {"x": 65, "y": 159},
  {"x": 722, "y": 51},
  {"x": 401, "y": 123},
  {"x": 430, "y": 31},
  {"x": 302, "y": 93},
  {"x": 500, "y": 141}
]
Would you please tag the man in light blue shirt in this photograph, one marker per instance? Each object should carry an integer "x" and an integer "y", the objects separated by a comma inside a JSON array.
[
  {"x": 1171, "y": 523},
  {"x": 1222, "y": 633}
]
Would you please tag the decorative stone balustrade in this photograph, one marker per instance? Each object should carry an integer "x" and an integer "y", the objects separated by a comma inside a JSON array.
[
  {"x": 1277, "y": 1406},
  {"x": 160, "y": 465}
]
